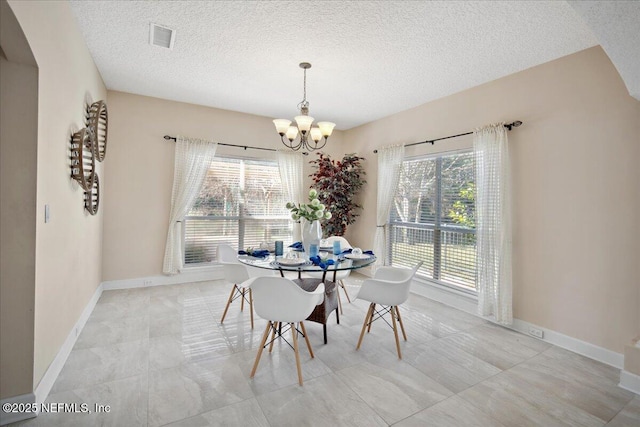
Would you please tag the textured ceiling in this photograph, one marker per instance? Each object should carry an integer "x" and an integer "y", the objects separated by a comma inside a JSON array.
[
  {"x": 616, "y": 24},
  {"x": 370, "y": 58}
]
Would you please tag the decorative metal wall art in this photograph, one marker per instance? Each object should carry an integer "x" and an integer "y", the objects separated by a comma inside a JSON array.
[
  {"x": 83, "y": 161},
  {"x": 98, "y": 119},
  {"x": 88, "y": 145},
  {"x": 92, "y": 197}
]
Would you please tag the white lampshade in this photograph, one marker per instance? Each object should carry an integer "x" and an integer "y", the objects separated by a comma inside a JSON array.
[
  {"x": 292, "y": 132},
  {"x": 316, "y": 135},
  {"x": 326, "y": 128},
  {"x": 282, "y": 125},
  {"x": 304, "y": 123}
]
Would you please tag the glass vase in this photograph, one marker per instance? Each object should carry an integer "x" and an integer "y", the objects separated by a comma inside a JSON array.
[{"x": 311, "y": 234}]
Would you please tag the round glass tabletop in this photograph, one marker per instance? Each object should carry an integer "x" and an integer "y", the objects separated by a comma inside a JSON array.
[{"x": 341, "y": 262}]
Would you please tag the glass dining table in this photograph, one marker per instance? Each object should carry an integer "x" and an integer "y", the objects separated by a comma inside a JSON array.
[{"x": 327, "y": 272}]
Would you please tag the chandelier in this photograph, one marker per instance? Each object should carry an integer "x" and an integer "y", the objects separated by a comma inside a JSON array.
[{"x": 289, "y": 133}]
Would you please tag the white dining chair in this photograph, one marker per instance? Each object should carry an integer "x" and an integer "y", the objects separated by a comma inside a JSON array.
[
  {"x": 341, "y": 275},
  {"x": 238, "y": 274},
  {"x": 388, "y": 288},
  {"x": 280, "y": 301}
]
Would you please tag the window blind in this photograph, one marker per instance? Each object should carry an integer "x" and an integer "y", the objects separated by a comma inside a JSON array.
[
  {"x": 241, "y": 203},
  {"x": 433, "y": 218}
]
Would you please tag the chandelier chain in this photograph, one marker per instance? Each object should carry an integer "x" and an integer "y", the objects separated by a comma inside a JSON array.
[{"x": 304, "y": 87}]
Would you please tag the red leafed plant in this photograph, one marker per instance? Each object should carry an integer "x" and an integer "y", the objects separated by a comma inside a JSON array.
[{"x": 337, "y": 183}]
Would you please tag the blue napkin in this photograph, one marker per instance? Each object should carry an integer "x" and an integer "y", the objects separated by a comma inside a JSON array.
[
  {"x": 296, "y": 245},
  {"x": 260, "y": 253},
  {"x": 316, "y": 260}
]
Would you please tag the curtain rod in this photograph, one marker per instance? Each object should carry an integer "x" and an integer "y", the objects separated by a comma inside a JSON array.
[
  {"x": 173, "y": 138},
  {"x": 431, "y": 141}
]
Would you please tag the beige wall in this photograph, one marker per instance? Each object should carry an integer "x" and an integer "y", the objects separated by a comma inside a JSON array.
[
  {"x": 18, "y": 149},
  {"x": 140, "y": 170},
  {"x": 576, "y": 188},
  {"x": 68, "y": 256}
]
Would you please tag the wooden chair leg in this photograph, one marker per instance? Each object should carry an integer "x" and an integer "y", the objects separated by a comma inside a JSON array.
[
  {"x": 306, "y": 338},
  {"x": 242, "y": 299},
  {"x": 273, "y": 335},
  {"x": 344, "y": 288},
  {"x": 233, "y": 291},
  {"x": 373, "y": 307},
  {"x": 364, "y": 325},
  {"x": 294, "y": 335},
  {"x": 251, "y": 309},
  {"x": 404, "y": 334},
  {"x": 395, "y": 331},
  {"x": 264, "y": 340},
  {"x": 339, "y": 300}
]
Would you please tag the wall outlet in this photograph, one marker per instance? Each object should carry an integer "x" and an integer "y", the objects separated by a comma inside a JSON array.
[
  {"x": 147, "y": 282},
  {"x": 538, "y": 333}
]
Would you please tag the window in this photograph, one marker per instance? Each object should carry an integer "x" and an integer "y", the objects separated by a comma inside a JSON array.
[
  {"x": 241, "y": 203},
  {"x": 433, "y": 219}
]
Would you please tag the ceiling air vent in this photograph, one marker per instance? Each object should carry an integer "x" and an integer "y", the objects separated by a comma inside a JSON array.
[{"x": 162, "y": 36}]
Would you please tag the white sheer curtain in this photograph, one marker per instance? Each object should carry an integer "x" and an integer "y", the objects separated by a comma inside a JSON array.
[
  {"x": 192, "y": 160},
  {"x": 291, "y": 166},
  {"x": 389, "y": 166},
  {"x": 493, "y": 222}
]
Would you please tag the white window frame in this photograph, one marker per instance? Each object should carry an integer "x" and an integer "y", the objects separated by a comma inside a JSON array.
[
  {"x": 240, "y": 218},
  {"x": 437, "y": 228}
]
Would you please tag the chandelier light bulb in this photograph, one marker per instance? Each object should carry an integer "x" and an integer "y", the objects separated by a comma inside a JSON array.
[
  {"x": 282, "y": 125},
  {"x": 316, "y": 134},
  {"x": 326, "y": 128},
  {"x": 292, "y": 132},
  {"x": 304, "y": 123}
]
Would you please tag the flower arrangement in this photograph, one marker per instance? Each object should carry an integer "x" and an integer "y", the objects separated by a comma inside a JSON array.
[{"x": 314, "y": 210}]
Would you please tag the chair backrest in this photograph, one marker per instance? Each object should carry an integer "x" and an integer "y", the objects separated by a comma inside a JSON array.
[
  {"x": 227, "y": 254},
  {"x": 235, "y": 272},
  {"x": 279, "y": 299},
  {"x": 396, "y": 289},
  {"x": 415, "y": 268}
]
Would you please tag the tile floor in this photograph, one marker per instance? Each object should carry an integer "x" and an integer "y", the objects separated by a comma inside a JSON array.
[{"x": 158, "y": 356}]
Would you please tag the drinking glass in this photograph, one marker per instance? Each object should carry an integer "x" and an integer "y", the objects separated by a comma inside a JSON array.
[{"x": 313, "y": 250}]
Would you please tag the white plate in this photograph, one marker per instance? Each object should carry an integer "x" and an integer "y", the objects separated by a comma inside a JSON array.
[
  {"x": 291, "y": 261},
  {"x": 352, "y": 256}
]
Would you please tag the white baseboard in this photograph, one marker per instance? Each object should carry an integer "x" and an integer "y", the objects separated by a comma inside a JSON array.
[
  {"x": 188, "y": 275},
  {"x": 584, "y": 348},
  {"x": 12, "y": 417},
  {"x": 469, "y": 303},
  {"x": 50, "y": 376},
  {"x": 630, "y": 381}
]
